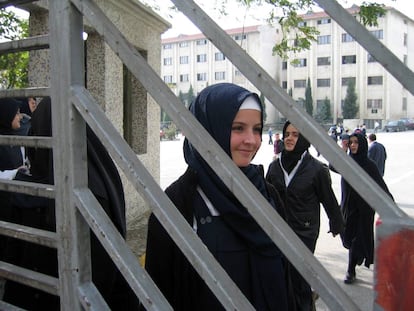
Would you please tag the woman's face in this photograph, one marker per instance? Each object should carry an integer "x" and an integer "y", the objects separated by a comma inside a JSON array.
[
  {"x": 353, "y": 145},
  {"x": 290, "y": 137},
  {"x": 16, "y": 121},
  {"x": 245, "y": 136}
]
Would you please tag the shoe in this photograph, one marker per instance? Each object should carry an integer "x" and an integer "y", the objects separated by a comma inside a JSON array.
[{"x": 349, "y": 278}]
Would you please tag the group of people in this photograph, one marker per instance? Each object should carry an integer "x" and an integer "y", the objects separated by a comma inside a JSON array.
[
  {"x": 295, "y": 185},
  {"x": 36, "y": 165}
]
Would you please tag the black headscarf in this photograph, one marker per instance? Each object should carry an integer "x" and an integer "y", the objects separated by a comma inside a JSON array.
[
  {"x": 24, "y": 105},
  {"x": 8, "y": 110},
  {"x": 215, "y": 108},
  {"x": 361, "y": 157},
  {"x": 290, "y": 158},
  {"x": 10, "y": 156}
]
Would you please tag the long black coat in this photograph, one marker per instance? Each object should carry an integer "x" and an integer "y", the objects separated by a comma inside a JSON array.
[
  {"x": 358, "y": 236},
  {"x": 310, "y": 187},
  {"x": 174, "y": 275}
]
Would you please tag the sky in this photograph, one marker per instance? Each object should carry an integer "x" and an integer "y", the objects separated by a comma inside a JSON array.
[{"x": 238, "y": 15}]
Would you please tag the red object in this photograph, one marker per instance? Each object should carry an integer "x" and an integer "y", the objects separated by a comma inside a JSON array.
[{"x": 395, "y": 271}]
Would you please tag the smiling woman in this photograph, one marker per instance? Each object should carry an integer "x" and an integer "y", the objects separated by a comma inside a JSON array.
[{"x": 233, "y": 117}]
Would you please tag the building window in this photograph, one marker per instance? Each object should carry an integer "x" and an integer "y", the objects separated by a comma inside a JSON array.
[
  {"x": 405, "y": 58},
  {"x": 219, "y": 56},
  {"x": 324, "y": 39},
  {"x": 404, "y": 103},
  {"x": 240, "y": 37},
  {"x": 221, "y": 75},
  {"x": 201, "y": 42},
  {"x": 183, "y": 59},
  {"x": 184, "y": 77},
  {"x": 346, "y": 81},
  {"x": 376, "y": 80},
  {"x": 405, "y": 39},
  {"x": 371, "y": 59},
  {"x": 168, "y": 61},
  {"x": 167, "y": 46},
  {"x": 379, "y": 34},
  {"x": 299, "y": 83},
  {"x": 168, "y": 79},
  {"x": 284, "y": 85},
  {"x": 284, "y": 65},
  {"x": 183, "y": 44},
  {"x": 201, "y": 58},
  {"x": 323, "y": 61},
  {"x": 346, "y": 37},
  {"x": 202, "y": 76},
  {"x": 324, "y": 21},
  {"x": 302, "y": 24},
  {"x": 348, "y": 59},
  {"x": 323, "y": 82},
  {"x": 237, "y": 73},
  {"x": 374, "y": 103},
  {"x": 301, "y": 62}
]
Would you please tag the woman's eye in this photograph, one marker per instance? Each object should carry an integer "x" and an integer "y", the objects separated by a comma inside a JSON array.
[{"x": 237, "y": 128}]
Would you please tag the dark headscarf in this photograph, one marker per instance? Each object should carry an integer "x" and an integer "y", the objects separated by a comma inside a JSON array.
[
  {"x": 290, "y": 158},
  {"x": 8, "y": 110},
  {"x": 215, "y": 108},
  {"x": 24, "y": 105},
  {"x": 361, "y": 157}
]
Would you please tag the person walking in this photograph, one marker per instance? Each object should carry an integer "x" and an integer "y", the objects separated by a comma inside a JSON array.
[
  {"x": 377, "y": 153},
  {"x": 277, "y": 146},
  {"x": 234, "y": 118},
  {"x": 270, "y": 133},
  {"x": 303, "y": 183},
  {"x": 358, "y": 236}
]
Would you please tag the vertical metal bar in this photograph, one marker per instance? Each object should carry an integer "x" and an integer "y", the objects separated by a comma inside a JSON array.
[{"x": 70, "y": 171}]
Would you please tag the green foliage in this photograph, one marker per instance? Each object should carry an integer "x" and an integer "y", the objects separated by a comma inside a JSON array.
[
  {"x": 308, "y": 98},
  {"x": 323, "y": 114},
  {"x": 13, "y": 66},
  {"x": 350, "y": 108},
  {"x": 297, "y": 36}
]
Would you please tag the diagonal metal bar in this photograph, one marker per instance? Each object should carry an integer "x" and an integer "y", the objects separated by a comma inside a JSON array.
[
  {"x": 27, "y": 44},
  {"x": 116, "y": 247},
  {"x": 374, "y": 46}
]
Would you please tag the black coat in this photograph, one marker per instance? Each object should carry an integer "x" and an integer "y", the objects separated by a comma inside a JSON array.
[
  {"x": 358, "y": 236},
  {"x": 310, "y": 187},
  {"x": 174, "y": 275}
]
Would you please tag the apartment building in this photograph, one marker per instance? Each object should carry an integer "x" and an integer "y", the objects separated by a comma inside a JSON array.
[{"x": 333, "y": 60}]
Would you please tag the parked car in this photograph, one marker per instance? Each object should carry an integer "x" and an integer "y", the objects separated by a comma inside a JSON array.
[
  {"x": 409, "y": 123},
  {"x": 395, "y": 126}
]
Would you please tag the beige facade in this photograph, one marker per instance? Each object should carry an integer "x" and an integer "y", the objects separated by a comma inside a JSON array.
[
  {"x": 126, "y": 103},
  {"x": 329, "y": 63}
]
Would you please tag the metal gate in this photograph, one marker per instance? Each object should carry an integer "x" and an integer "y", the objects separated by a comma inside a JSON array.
[{"x": 77, "y": 210}]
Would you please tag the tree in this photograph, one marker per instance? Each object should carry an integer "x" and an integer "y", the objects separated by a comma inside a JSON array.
[
  {"x": 190, "y": 95},
  {"x": 13, "y": 66},
  {"x": 308, "y": 98},
  {"x": 350, "y": 108},
  {"x": 323, "y": 115},
  {"x": 297, "y": 36}
]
